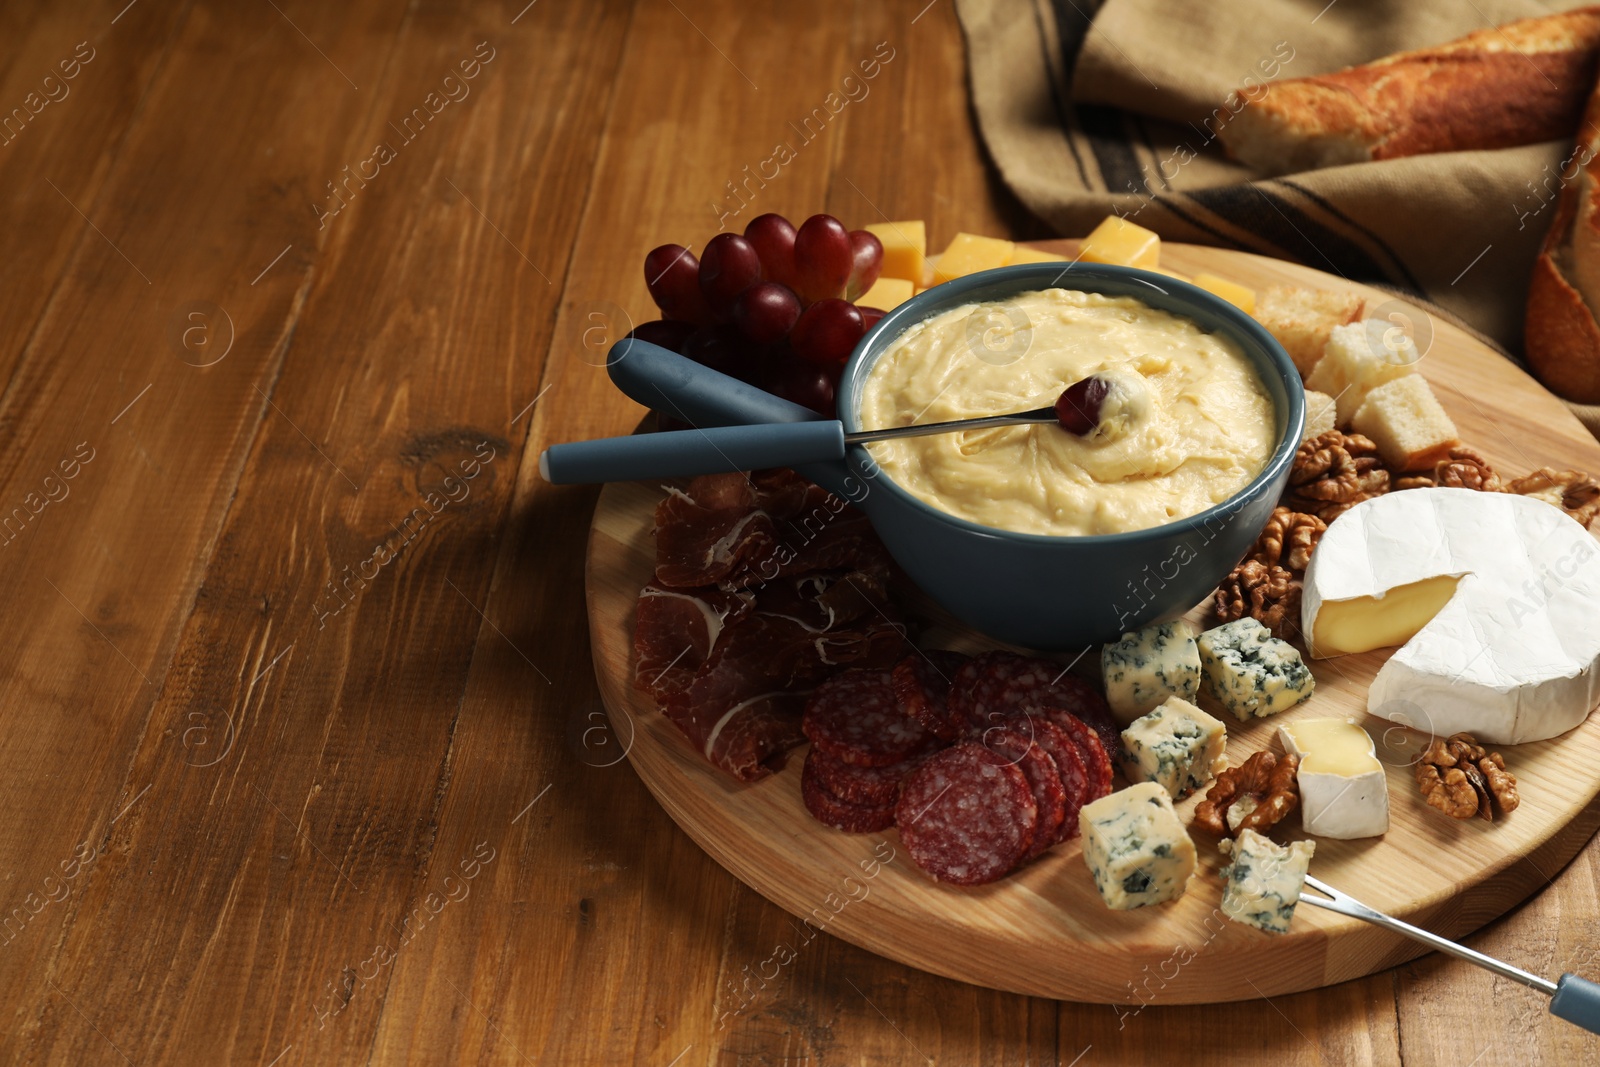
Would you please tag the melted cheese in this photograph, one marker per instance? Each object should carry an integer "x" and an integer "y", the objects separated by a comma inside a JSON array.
[{"x": 1196, "y": 428}]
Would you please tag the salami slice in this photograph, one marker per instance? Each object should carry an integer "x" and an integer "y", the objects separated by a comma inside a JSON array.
[
  {"x": 966, "y": 815},
  {"x": 1096, "y": 761},
  {"x": 922, "y": 683},
  {"x": 976, "y": 689},
  {"x": 854, "y": 717},
  {"x": 855, "y": 784},
  {"x": 1036, "y": 765},
  {"x": 1026, "y": 683},
  {"x": 839, "y": 814},
  {"x": 1063, "y": 752}
]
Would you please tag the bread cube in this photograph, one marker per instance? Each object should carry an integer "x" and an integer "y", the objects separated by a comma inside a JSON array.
[
  {"x": 1302, "y": 319},
  {"x": 1145, "y": 667},
  {"x": 1322, "y": 414},
  {"x": 1137, "y": 850},
  {"x": 1359, "y": 358},
  {"x": 1407, "y": 423},
  {"x": 1252, "y": 673},
  {"x": 1177, "y": 746}
]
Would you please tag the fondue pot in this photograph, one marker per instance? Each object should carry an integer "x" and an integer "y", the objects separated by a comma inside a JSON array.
[{"x": 1035, "y": 590}]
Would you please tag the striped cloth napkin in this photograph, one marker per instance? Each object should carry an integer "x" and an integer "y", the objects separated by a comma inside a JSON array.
[{"x": 1092, "y": 107}]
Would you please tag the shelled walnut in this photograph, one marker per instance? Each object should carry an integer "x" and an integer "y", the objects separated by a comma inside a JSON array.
[
  {"x": 1333, "y": 472},
  {"x": 1574, "y": 492},
  {"x": 1265, "y": 592},
  {"x": 1462, "y": 779},
  {"x": 1256, "y": 795},
  {"x": 1464, "y": 468},
  {"x": 1288, "y": 539}
]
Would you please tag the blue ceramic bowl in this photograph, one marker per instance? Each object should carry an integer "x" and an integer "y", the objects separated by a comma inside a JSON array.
[{"x": 1058, "y": 592}]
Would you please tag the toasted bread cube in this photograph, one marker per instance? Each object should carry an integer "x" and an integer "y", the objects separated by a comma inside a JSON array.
[
  {"x": 1238, "y": 295},
  {"x": 1321, "y": 414},
  {"x": 1407, "y": 423},
  {"x": 1121, "y": 243},
  {"x": 1024, "y": 254},
  {"x": 1301, "y": 319},
  {"x": 886, "y": 294},
  {"x": 967, "y": 254},
  {"x": 905, "y": 249},
  {"x": 1359, "y": 358}
]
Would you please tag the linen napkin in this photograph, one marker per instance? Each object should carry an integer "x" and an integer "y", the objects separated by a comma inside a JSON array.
[{"x": 1092, "y": 107}]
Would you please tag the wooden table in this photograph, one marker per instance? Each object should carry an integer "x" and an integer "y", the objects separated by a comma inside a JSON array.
[{"x": 302, "y": 757}]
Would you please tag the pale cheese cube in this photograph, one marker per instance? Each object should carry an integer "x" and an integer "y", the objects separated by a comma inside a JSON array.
[
  {"x": 1177, "y": 746},
  {"x": 967, "y": 254},
  {"x": 905, "y": 249},
  {"x": 1143, "y": 668},
  {"x": 1359, "y": 358},
  {"x": 1136, "y": 849},
  {"x": 886, "y": 294},
  {"x": 1407, "y": 423},
  {"x": 1239, "y": 296},
  {"x": 1264, "y": 881},
  {"x": 1120, "y": 242},
  {"x": 1252, "y": 673}
]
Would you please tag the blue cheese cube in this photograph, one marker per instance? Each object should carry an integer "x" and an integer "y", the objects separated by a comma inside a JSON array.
[
  {"x": 1264, "y": 881},
  {"x": 1252, "y": 673},
  {"x": 1177, "y": 746},
  {"x": 1147, "y": 666},
  {"x": 1136, "y": 849}
]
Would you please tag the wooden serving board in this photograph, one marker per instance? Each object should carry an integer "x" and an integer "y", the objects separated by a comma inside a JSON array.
[{"x": 1044, "y": 930}]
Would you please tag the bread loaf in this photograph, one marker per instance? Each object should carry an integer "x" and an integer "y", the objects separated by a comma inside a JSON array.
[
  {"x": 1560, "y": 333},
  {"x": 1520, "y": 83}
]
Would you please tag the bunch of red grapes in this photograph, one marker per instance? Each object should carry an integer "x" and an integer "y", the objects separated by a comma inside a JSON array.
[{"x": 771, "y": 306}]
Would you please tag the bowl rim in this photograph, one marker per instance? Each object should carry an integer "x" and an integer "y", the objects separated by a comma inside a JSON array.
[{"x": 1242, "y": 328}]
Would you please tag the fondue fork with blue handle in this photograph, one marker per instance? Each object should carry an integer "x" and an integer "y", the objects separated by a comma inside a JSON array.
[
  {"x": 1574, "y": 999},
  {"x": 718, "y": 449}
]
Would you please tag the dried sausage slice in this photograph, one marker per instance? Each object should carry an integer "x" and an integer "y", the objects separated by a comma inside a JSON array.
[
  {"x": 966, "y": 815},
  {"x": 922, "y": 683},
  {"x": 839, "y": 814},
  {"x": 854, "y": 717},
  {"x": 855, "y": 784},
  {"x": 1036, "y": 765}
]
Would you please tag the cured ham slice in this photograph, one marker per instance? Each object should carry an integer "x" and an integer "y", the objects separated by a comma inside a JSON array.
[{"x": 674, "y": 632}]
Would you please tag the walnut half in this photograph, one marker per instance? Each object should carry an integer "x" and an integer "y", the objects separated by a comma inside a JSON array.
[
  {"x": 1462, "y": 779},
  {"x": 1256, "y": 795},
  {"x": 1574, "y": 492}
]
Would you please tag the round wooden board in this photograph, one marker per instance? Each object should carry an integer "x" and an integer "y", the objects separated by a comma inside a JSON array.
[{"x": 1044, "y": 931}]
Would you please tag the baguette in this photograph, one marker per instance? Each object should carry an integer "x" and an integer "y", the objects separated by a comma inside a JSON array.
[
  {"x": 1560, "y": 334},
  {"x": 1516, "y": 84}
]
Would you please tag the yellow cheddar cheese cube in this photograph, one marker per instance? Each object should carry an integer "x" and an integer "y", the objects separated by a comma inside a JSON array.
[
  {"x": 905, "y": 249},
  {"x": 1024, "y": 254},
  {"x": 1121, "y": 243},
  {"x": 1240, "y": 297},
  {"x": 886, "y": 294},
  {"x": 968, "y": 253}
]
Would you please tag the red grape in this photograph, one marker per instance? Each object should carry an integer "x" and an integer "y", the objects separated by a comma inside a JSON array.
[
  {"x": 671, "y": 273},
  {"x": 728, "y": 267},
  {"x": 1078, "y": 408},
  {"x": 718, "y": 347},
  {"x": 766, "y": 312},
  {"x": 824, "y": 258},
  {"x": 827, "y": 332},
  {"x": 870, "y": 316},
  {"x": 807, "y": 385},
  {"x": 867, "y": 254},
  {"x": 773, "y": 238},
  {"x": 664, "y": 332}
]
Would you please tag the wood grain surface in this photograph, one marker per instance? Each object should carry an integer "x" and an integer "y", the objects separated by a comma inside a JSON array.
[
  {"x": 1044, "y": 930},
  {"x": 273, "y": 796}
]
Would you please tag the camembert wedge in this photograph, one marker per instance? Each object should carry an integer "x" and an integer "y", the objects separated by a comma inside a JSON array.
[
  {"x": 1491, "y": 596},
  {"x": 1344, "y": 793}
]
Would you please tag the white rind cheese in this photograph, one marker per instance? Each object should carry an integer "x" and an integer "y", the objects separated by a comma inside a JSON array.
[
  {"x": 1513, "y": 655},
  {"x": 1177, "y": 746},
  {"x": 1251, "y": 672},
  {"x": 1147, "y": 666},
  {"x": 1264, "y": 881},
  {"x": 1137, "y": 850},
  {"x": 1344, "y": 793}
]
